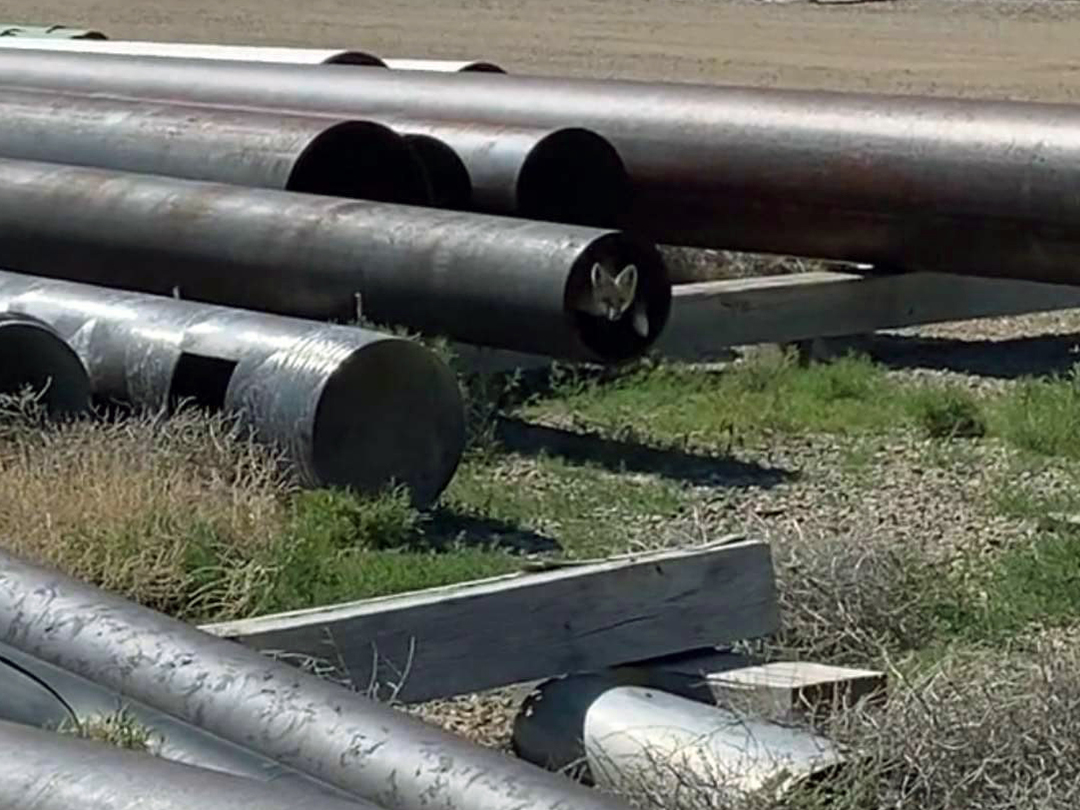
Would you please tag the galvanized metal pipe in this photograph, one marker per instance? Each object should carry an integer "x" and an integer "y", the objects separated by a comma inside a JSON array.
[
  {"x": 43, "y": 770},
  {"x": 34, "y": 356},
  {"x": 444, "y": 65},
  {"x": 646, "y": 742},
  {"x": 38, "y": 694},
  {"x": 40, "y": 39},
  {"x": 311, "y": 154},
  {"x": 502, "y": 282},
  {"x": 567, "y": 174},
  {"x": 196, "y": 50},
  {"x": 350, "y": 407},
  {"x": 305, "y": 722},
  {"x": 934, "y": 184}
]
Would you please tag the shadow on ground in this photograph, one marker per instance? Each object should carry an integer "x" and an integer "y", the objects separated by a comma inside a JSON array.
[
  {"x": 528, "y": 439},
  {"x": 1043, "y": 355},
  {"x": 446, "y": 526}
]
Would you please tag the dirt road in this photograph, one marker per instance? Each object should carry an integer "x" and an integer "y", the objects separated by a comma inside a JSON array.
[{"x": 996, "y": 48}]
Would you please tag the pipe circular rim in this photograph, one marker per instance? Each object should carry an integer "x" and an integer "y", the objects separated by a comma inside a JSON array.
[
  {"x": 33, "y": 354},
  {"x": 391, "y": 412}
]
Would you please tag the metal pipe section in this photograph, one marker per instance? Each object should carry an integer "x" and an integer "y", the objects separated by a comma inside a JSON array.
[
  {"x": 196, "y": 50},
  {"x": 38, "y": 694},
  {"x": 316, "y": 155},
  {"x": 447, "y": 176},
  {"x": 34, "y": 356},
  {"x": 308, "y": 723},
  {"x": 556, "y": 290},
  {"x": 932, "y": 184},
  {"x": 444, "y": 65},
  {"x": 48, "y": 31},
  {"x": 639, "y": 741},
  {"x": 349, "y": 407},
  {"x": 555, "y": 175},
  {"x": 43, "y": 770}
]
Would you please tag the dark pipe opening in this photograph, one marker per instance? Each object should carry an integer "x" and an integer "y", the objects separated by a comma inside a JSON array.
[
  {"x": 33, "y": 356},
  {"x": 201, "y": 381},
  {"x": 447, "y": 176},
  {"x": 616, "y": 341},
  {"x": 361, "y": 160},
  {"x": 482, "y": 67},
  {"x": 355, "y": 58},
  {"x": 575, "y": 176}
]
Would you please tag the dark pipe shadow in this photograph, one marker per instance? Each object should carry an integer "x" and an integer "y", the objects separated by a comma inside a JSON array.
[
  {"x": 446, "y": 527},
  {"x": 1044, "y": 355},
  {"x": 528, "y": 439}
]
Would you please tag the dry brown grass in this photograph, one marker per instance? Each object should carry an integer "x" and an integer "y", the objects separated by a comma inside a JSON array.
[{"x": 167, "y": 512}]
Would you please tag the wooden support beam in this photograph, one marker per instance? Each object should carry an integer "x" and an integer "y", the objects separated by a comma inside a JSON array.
[
  {"x": 710, "y": 317},
  {"x": 507, "y": 630}
]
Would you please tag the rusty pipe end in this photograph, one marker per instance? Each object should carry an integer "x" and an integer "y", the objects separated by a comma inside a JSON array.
[
  {"x": 361, "y": 160},
  {"x": 619, "y": 295},
  {"x": 447, "y": 175},
  {"x": 576, "y": 176},
  {"x": 33, "y": 355}
]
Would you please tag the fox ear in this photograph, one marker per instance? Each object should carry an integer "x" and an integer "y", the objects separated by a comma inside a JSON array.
[
  {"x": 627, "y": 279},
  {"x": 600, "y": 276}
]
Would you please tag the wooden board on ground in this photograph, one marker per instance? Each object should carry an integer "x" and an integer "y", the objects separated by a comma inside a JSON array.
[
  {"x": 506, "y": 630},
  {"x": 710, "y": 317}
]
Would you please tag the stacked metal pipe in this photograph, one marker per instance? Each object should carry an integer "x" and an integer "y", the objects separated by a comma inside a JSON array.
[
  {"x": 954, "y": 185},
  {"x": 306, "y": 723}
]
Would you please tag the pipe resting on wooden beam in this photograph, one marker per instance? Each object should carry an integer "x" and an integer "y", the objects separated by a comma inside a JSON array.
[{"x": 313, "y": 725}]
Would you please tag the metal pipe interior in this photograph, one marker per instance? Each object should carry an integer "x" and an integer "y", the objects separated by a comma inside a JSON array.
[
  {"x": 43, "y": 770},
  {"x": 322, "y": 728},
  {"x": 312, "y": 154},
  {"x": 515, "y": 284},
  {"x": 350, "y": 407},
  {"x": 446, "y": 173},
  {"x": 38, "y": 694},
  {"x": 34, "y": 357},
  {"x": 198, "y": 50},
  {"x": 934, "y": 184},
  {"x": 553, "y": 175}
]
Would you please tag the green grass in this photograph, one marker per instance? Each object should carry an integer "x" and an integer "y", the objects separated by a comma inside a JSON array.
[{"x": 587, "y": 510}]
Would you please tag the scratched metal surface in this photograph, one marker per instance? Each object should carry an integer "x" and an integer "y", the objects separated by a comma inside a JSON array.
[
  {"x": 319, "y": 727},
  {"x": 919, "y": 183},
  {"x": 349, "y": 406},
  {"x": 36, "y": 693},
  {"x": 43, "y": 770},
  {"x": 472, "y": 278},
  {"x": 317, "y": 155}
]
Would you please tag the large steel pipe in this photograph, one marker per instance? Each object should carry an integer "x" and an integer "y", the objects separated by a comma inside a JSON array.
[
  {"x": 568, "y": 174},
  {"x": 934, "y": 184},
  {"x": 316, "y": 155},
  {"x": 33, "y": 356},
  {"x": 34, "y": 39},
  {"x": 350, "y": 407},
  {"x": 303, "y": 721},
  {"x": 197, "y": 50},
  {"x": 38, "y": 694},
  {"x": 43, "y": 770},
  {"x": 444, "y": 65},
  {"x": 557, "y": 290}
]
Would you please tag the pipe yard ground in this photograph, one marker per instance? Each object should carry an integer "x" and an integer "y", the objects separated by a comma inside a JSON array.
[{"x": 915, "y": 492}]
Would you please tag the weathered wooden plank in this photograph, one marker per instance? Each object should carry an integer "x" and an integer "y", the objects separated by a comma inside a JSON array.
[
  {"x": 533, "y": 625},
  {"x": 711, "y": 316}
]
